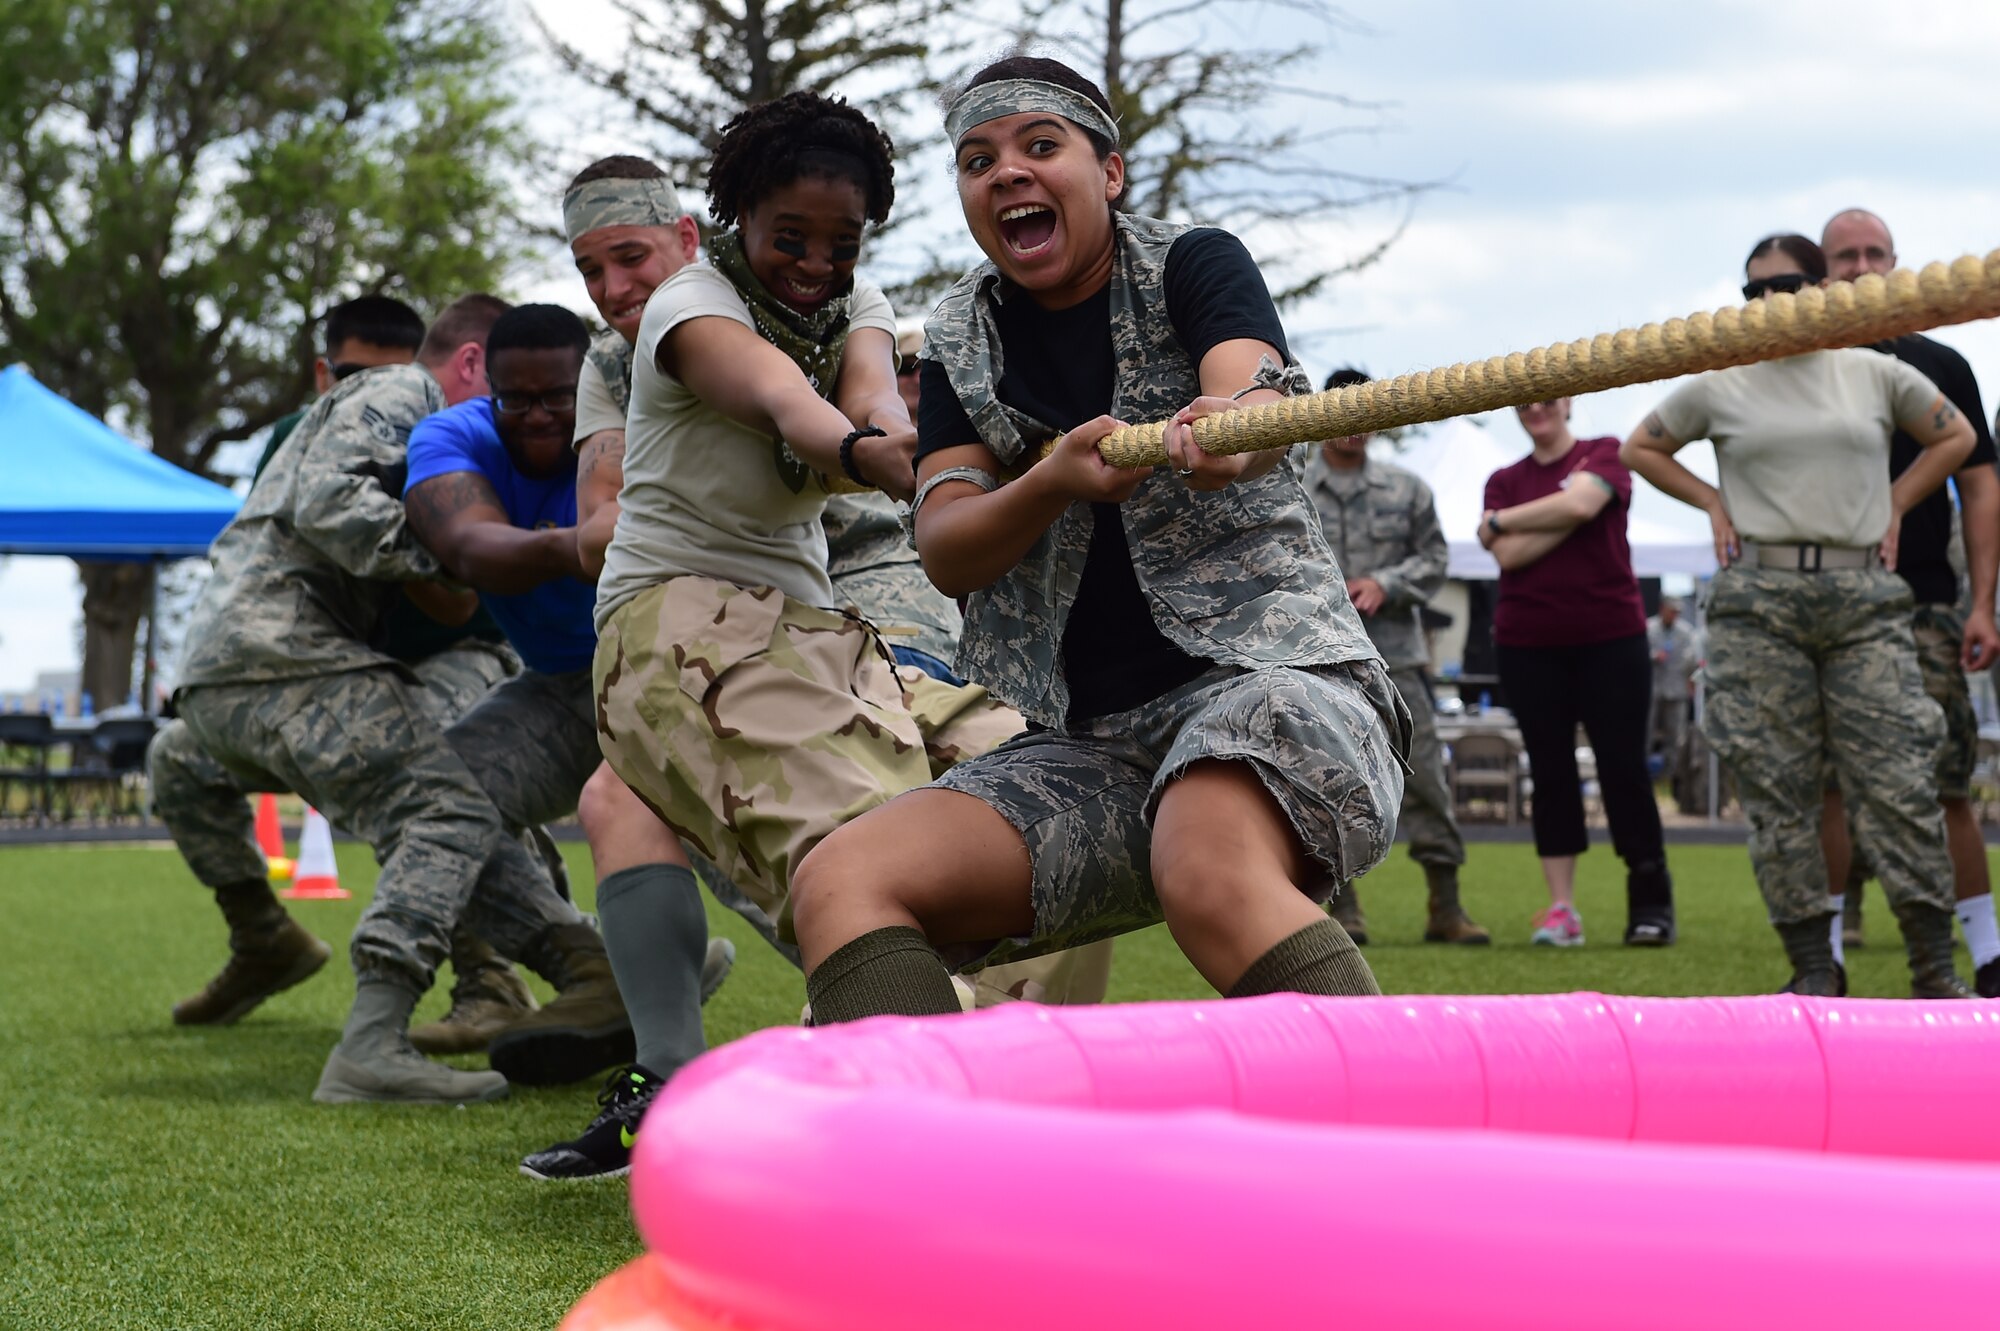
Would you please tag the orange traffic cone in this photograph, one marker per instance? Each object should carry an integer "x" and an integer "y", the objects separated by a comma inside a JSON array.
[
  {"x": 317, "y": 876},
  {"x": 271, "y": 840}
]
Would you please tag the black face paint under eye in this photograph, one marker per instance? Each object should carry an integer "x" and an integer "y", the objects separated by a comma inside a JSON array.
[
  {"x": 795, "y": 249},
  {"x": 846, "y": 253}
]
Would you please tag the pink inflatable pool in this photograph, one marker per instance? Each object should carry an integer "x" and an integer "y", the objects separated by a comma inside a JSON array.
[{"x": 1317, "y": 1162}]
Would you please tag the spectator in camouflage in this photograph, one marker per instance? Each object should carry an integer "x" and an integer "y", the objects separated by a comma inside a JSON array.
[
  {"x": 1810, "y": 653},
  {"x": 1383, "y": 527}
]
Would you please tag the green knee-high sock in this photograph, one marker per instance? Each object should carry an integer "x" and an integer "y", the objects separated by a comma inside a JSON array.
[
  {"x": 1318, "y": 959},
  {"x": 655, "y": 933},
  {"x": 892, "y": 971}
]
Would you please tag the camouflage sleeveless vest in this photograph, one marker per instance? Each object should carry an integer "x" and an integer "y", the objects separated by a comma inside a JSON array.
[{"x": 1242, "y": 576}]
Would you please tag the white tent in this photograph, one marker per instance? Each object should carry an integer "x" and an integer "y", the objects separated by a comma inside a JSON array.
[{"x": 1455, "y": 457}]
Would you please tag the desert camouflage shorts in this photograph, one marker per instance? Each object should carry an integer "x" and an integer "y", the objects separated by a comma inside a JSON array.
[
  {"x": 754, "y": 724},
  {"x": 1327, "y": 742}
]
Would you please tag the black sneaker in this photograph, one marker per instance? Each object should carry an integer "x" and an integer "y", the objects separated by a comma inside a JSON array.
[
  {"x": 605, "y": 1148},
  {"x": 1986, "y": 980},
  {"x": 1651, "y": 928}
]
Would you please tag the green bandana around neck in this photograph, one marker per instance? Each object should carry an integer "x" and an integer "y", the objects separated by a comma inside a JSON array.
[{"x": 814, "y": 341}]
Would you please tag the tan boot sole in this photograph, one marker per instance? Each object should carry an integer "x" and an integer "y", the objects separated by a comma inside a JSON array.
[{"x": 345, "y": 1082}]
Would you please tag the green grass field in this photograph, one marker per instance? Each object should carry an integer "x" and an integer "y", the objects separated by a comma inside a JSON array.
[{"x": 158, "y": 1177}]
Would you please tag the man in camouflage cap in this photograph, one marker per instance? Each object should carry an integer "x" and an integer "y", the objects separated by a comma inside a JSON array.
[
  {"x": 1382, "y": 524},
  {"x": 282, "y": 692}
]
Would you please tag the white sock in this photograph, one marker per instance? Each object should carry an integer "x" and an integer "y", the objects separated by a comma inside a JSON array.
[
  {"x": 1982, "y": 931},
  {"x": 1838, "y": 904}
]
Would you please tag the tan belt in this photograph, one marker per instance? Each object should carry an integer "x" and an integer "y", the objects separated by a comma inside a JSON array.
[{"x": 1808, "y": 558}]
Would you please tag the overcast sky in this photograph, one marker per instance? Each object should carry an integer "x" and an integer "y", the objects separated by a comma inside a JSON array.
[{"x": 1609, "y": 164}]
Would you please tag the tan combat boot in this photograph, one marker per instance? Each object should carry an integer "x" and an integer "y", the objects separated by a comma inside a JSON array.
[
  {"x": 1448, "y": 921},
  {"x": 486, "y": 998},
  {"x": 269, "y": 952},
  {"x": 583, "y": 1031},
  {"x": 1346, "y": 907}
]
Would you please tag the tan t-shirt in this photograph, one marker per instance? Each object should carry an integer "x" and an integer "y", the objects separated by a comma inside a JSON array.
[
  {"x": 704, "y": 494},
  {"x": 595, "y": 409},
  {"x": 1802, "y": 444}
]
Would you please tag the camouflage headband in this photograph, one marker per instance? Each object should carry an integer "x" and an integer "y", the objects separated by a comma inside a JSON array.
[
  {"x": 1009, "y": 97},
  {"x": 602, "y": 203}
]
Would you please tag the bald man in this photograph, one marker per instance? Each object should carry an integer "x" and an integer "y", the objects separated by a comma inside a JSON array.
[{"x": 1948, "y": 643}]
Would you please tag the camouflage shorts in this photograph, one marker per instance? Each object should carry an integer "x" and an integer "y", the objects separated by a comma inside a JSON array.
[
  {"x": 754, "y": 724},
  {"x": 1327, "y": 742}
]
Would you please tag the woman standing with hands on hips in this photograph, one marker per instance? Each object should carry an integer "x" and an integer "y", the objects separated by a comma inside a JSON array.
[
  {"x": 1213, "y": 738},
  {"x": 1571, "y": 634},
  {"x": 1810, "y": 653}
]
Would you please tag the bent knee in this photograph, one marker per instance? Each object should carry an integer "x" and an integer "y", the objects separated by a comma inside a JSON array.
[
  {"x": 833, "y": 875},
  {"x": 606, "y": 801}
]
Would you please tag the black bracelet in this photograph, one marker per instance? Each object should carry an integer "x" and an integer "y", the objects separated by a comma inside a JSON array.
[{"x": 847, "y": 450}]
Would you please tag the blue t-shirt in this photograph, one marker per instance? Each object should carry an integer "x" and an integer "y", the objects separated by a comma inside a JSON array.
[{"x": 551, "y": 626}]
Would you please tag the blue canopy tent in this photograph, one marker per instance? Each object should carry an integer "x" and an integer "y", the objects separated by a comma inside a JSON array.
[{"x": 76, "y": 487}]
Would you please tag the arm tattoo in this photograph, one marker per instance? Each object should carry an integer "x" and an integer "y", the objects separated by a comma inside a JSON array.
[
  {"x": 1943, "y": 414},
  {"x": 435, "y": 502},
  {"x": 1654, "y": 429},
  {"x": 603, "y": 448}
]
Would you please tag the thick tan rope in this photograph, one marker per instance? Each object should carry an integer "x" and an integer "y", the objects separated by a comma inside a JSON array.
[{"x": 1845, "y": 314}]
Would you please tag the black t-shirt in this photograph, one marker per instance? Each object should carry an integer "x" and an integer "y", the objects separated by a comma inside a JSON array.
[
  {"x": 1060, "y": 369},
  {"x": 1923, "y": 555}
]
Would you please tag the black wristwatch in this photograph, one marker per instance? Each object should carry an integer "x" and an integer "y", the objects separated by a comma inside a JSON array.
[
  {"x": 847, "y": 450},
  {"x": 1493, "y": 524}
]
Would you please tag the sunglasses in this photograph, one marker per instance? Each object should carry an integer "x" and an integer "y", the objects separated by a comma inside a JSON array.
[
  {"x": 520, "y": 404},
  {"x": 1791, "y": 283}
]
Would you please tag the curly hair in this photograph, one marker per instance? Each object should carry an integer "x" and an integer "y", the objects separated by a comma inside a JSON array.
[{"x": 772, "y": 144}]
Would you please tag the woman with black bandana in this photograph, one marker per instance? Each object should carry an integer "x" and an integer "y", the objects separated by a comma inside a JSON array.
[{"x": 1215, "y": 742}]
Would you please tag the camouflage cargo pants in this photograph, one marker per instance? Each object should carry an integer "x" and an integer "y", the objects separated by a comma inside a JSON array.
[
  {"x": 1806, "y": 668},
  {"x": 754, "y": 725},
  {"x": 363, "y": 748},
  {"x": 454, "y": 680},
  {"x": 1426, "y": 818}
]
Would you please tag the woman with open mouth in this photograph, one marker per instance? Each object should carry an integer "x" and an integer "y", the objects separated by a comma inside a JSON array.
[
  {"x": 737, "y": 695},
  {"x": 1213, "y": 739}
]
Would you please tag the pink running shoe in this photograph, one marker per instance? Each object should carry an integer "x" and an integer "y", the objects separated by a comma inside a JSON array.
[{"x": 1558, "y": 926}]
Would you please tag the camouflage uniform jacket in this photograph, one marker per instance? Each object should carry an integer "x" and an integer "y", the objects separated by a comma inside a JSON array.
[
  {"x": 1241, "y": 576},
  {"x": 1382, "y": 523},
  {"x": 611, "y": 356},
  {"x": 306, "y": 568},
  {"x": 865, "y": 531}
]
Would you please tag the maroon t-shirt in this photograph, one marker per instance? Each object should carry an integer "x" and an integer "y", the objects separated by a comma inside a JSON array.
[{"x": 1582, "y": 591}]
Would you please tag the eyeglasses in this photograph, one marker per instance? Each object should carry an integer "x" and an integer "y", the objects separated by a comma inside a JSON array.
[
  {"x": 520, "y": 404},
  {"x": 1792, "y": 283}
]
